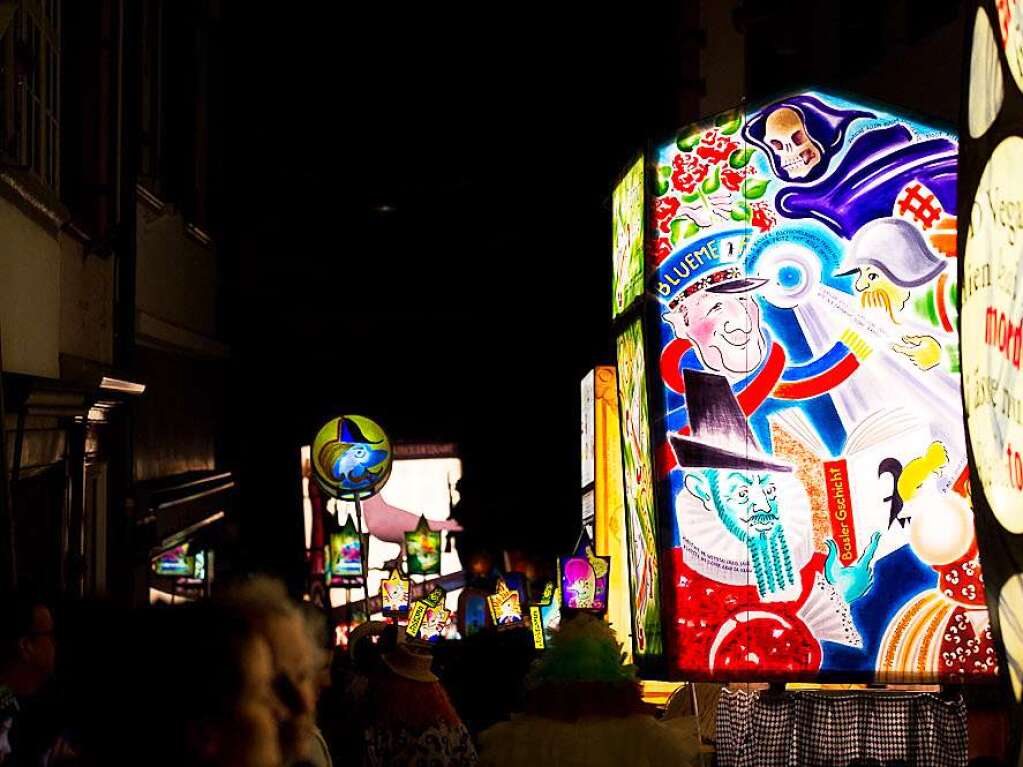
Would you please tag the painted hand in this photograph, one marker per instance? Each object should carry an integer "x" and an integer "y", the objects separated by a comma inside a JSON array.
[
  {"x": 855, "y": 580},
  {"x": 924, "y": 351},
  {"x": 703, "y": 211}
]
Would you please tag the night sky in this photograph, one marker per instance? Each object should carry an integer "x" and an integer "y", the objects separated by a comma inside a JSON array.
[
  {"x": 418, "y": 228},
  {"x": 421, "y": 233}
]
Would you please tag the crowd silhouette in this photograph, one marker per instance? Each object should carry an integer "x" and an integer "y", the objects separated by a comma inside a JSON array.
[{"x": 252, "y": 678}]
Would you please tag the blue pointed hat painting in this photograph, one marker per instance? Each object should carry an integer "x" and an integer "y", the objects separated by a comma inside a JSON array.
[{"x": 351, "y": 457}]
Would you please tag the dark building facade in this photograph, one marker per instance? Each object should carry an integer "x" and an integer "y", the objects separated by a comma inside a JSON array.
[{"x": 114, "y": 358}]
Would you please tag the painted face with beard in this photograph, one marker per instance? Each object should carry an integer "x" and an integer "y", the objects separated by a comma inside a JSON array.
[
  {"x": 747, "y": 505},
  {"x": 878, "y": 292},
  {"x": 725, "y": 330}
]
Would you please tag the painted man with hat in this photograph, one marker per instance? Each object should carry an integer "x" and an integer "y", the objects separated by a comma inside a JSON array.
[
  {"x": 753, "y": 597},
  {"x": 711, "y": 307},
  {"x": 888, "y": 258}
]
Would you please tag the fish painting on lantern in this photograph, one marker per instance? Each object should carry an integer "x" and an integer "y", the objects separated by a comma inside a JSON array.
[{"x": 351, "y": 457}]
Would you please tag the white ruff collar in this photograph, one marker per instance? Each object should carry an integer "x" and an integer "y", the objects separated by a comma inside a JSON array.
[{"x": 711, "y": 550}]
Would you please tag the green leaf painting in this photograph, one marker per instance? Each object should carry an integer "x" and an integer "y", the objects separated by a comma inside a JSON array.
[
  {"x": 663, "y": 179},
  {"x": 682, "y": 229},
  {"x": 728, "y": 122},
  {"x": 740, "y": 212},
  {"x": 712, "y": 182},
  {"x": 754, "y": 188},
  {"x": 740, "y": 157},
  {"x": 687, "y": 143}
]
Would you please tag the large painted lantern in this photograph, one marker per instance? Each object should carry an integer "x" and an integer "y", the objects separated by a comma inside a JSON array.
[
  {"x": 351, "y": 458},
  {"x": 603, "y": 497},
  {"x": 991, "y": 255},
  {"x": 805, "y": 420}
]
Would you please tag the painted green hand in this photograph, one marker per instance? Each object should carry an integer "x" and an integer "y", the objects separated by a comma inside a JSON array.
[{"x": 855, "y": 580}]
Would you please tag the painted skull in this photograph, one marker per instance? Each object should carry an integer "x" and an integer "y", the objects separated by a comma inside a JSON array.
[{"x": 791, "y": 143}]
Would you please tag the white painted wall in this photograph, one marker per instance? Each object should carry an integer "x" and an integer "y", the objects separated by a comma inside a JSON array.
[
  {"x": 86, "y": 302},
  {"x": 176, "y": 276},
  {"x": 30, "y": 263}
]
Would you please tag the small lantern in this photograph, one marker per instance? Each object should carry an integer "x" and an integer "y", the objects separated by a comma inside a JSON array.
[
  {"x": 176, "y": 561},
  {"x": 545, "y": 616},
  {"x": 344, "y": 555},
  {"x": 473, "y": 612},
  {"x": 428, "y": 617},
  {"x": 422, "y": 549},
  {"x": 394, "y": 595},
  {"x": 517, "y": 581},
  {"x": 584, "y": 578},
  {"x": 505, "y": 606}
]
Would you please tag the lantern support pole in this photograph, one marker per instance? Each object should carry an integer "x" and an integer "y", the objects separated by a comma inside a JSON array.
[{"x": 364, "y": 547}]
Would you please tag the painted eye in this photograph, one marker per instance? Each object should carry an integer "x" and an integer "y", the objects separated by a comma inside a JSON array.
[
  {"x": 743, "y": 494},
  {"x": 872, "y": 276},
  {"x": 799, "y": 138},
  {"x": 716, "y": 308},
  {"x": 776, "y": 143},
  {"x": 769, "y": 491}
]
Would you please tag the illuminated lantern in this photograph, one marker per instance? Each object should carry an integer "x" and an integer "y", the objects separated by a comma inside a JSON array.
[
  {"x": 627, "y": 240},
  {"x": 345, "y": 555},
  {"x": 351, "y": 458},
  {"x": 177, "y": 561},
  {"x": 517, "y": 581},
  {"x": 473, "y": 612},
  {"x": 394, "y": 595},
  {"x": 803, "y": 432},
  {"x": 428, "y": 617},
  {"x": 505, "y": 606},
  {"x": 422, "y": 549},
  {"x": 584, "y": 578},
  {"x": 545, "y": 616},
  {"x": 481, "y": 564},
  {"x": 603, "y": 499}
]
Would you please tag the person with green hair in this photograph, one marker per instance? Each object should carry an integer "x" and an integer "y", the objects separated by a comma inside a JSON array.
[{"x": 583, "y": 706}]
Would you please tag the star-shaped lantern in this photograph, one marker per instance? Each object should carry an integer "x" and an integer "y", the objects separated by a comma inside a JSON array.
[
  {"x": 428, "y": 617},
  {"x": 505, "y": 606},
  {"x": 422, "y": 549},
  {"x": 394, "y": 595}
]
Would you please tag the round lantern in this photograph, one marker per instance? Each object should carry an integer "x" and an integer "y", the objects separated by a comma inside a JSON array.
[{"x": 351, "y": 458}]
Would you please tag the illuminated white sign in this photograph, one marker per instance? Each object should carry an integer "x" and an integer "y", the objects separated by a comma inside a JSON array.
[
  {"x": 987, "y": 91},
  {"x": 417, "y": 486},
  {"x": 1010, "y": 22},
  {"x": 992, "y": 332}
]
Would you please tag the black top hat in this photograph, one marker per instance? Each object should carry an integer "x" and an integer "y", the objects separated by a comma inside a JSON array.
[{"x": 720, "y": 436}]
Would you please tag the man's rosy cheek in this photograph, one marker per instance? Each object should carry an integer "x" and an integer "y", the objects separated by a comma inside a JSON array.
[{"x": 702, "y": 331}]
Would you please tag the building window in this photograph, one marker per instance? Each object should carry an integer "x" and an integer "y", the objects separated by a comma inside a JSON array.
[
  {"x": 31, "y": 89},
  {"x": 151, "y": 99}
]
